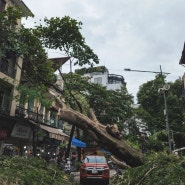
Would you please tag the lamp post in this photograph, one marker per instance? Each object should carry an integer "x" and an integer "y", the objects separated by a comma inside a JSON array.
[
  {"x": 156, "y": 72},
  {"x": 161, "y": 90}
]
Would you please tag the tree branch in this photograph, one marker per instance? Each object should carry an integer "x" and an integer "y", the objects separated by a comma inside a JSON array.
[{"x": 146, "y": 174}]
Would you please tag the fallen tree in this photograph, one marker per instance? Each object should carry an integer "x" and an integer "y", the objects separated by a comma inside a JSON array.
[{"x": 118, "y": 147}]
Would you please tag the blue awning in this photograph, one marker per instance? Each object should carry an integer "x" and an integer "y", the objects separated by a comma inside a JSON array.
[{"x": 78, "y": 143}]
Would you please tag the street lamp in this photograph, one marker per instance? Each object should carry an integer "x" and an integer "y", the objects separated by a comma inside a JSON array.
[
  {"x": 161, "y": 90},
  {"x": 165, "y": 88},
  {"x": 156, "y": 72}
]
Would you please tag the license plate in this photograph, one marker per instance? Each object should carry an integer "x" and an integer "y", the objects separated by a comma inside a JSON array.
[{"x": 94, "y": 171}]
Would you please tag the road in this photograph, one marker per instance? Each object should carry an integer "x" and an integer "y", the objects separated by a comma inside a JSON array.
[{"x": 77, "y": 175}]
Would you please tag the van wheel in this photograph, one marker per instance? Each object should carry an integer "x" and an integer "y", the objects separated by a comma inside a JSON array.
[
  {"x": 82, "y": 181},
  {"x": 106, "y": 182}
]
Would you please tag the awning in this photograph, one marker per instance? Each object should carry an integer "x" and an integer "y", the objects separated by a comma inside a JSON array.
[
  {"x": 58, "y": 62},
  {"x": 55, "y": 133},
  {"x": 78, "y": 143},
  {"x": 105, "y": 151}
]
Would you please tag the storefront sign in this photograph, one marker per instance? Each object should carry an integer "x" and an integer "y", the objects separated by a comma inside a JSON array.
[
  {"x": 21, "y": 131},
  {"x": 3, "y": 133}
]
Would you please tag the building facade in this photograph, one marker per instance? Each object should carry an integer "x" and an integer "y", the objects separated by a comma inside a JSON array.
[
  {"x": 10, "y": 75},
  {"x": 101, "y": 76},
  {"x": 20, "y": 124}
]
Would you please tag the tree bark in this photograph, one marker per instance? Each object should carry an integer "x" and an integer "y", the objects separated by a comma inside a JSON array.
[{"x": 98, "y": 132}]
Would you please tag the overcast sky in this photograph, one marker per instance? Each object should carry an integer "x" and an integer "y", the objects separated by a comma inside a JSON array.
[{"x": 141, "y": 35}]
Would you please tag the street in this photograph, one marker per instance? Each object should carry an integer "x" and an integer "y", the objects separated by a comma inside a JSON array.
[{"x": 77, "y": 176}]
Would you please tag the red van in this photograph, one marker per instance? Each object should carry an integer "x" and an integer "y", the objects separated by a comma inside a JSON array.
[{"x": 94, "y": 168}]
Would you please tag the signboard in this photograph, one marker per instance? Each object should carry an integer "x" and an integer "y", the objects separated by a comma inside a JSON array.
[{"x": 21, "y": 131}]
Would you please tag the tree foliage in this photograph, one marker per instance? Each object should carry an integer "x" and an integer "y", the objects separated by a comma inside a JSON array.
[
  {"x": 64, "y": 34},
  {"x": 153, "y": 102},
  {"x": 110, "y": 106},
  {"x": 152, "y": 106},
  {"x": 159, "y": 169},
  {"x": 10, "y": 42},
  {"x": 19, "y": 170}
]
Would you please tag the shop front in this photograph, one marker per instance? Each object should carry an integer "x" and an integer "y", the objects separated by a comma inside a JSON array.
[{"x": 14, "y": 134}]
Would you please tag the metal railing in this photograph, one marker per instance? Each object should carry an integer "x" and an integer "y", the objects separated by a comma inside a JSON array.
[
  {"x": 34, "y": 116},
  {"x": 27, "y": 114}
]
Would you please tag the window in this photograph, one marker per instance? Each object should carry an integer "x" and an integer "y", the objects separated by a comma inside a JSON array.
[
  {"x": 30, "y": 105},
  {"x": 2, "y": 5},
  {"x": 98, "y": 80},
  {"x": 52, "y": 118},
  {"x": 4, "y": 101}
]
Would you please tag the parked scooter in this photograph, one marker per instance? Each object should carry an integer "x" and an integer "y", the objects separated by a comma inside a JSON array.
[{"x": 111, "y": 165}]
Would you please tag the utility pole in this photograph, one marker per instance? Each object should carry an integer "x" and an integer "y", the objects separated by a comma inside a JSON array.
[{"x": 162, "y": 90}]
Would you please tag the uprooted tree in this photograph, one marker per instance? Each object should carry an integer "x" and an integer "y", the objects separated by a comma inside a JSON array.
[{"x": 98, "y": 132}]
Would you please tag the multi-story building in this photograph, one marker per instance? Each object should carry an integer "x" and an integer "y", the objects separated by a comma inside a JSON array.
[
  {"x": 19, "y": 124},
  {"x": 9, "y": 78},
  {"x": 101, "y": 76}
]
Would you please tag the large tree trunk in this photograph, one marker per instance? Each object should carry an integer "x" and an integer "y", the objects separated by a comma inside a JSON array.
[{"x": 98, "y": 132}]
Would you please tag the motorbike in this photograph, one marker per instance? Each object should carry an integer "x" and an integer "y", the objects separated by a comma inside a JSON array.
[
  {"x": 66, "y": 166},
  {"x": 111, "y": 164}
]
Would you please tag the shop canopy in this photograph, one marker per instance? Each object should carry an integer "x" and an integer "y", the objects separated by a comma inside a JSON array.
[
  {"x": 105, "y": 151},
  {"x": 55, "y": 133},
  {"x": 78, "y": 143}
]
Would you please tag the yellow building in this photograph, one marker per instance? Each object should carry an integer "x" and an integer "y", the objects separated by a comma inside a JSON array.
[{"x": 19, "y": 125}]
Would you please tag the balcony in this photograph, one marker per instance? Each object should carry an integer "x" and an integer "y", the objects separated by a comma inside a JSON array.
[
  {"x": 27, "y": 114},
  {"x": 34, "y": 116},
  {"x": 114, "y": 79}
]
